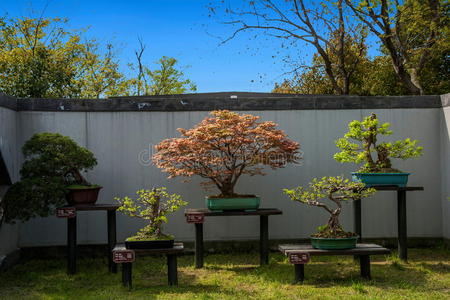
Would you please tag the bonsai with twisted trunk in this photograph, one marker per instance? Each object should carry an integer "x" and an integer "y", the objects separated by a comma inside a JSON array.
[{"x": 336, "y": 189}]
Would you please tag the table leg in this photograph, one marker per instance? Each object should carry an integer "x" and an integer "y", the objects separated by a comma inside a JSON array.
[
  {"x": 72, "y": 245},
  {"x": 364, "y": 262},
  {"x": 401, "y": 219},
  {"x": 357, "y": 218},
  {"x": 357, "y": 222},
  {"x": 199, "y": 245},
  {"x": 127, "y": 274},
  {"x": 299, "y": 273},
  {"x": 264, "y": 240},
  {"x": 111, "y": 239},
  {"x": 172, "y": 271}
]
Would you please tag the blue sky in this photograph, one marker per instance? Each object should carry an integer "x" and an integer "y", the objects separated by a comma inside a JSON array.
[{"x": 176, "y": 28}]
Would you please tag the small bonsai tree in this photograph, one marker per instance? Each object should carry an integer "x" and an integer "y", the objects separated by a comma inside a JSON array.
[
  {"x": 336, "y": 189},
  {"x": 153, "y": 206},
  {"x": 52, "y": 162},
  {"x": 225, "y": 146},
  {"x": 365, "y": 134}
]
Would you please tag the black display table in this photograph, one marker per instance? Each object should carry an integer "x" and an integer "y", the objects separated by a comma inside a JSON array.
[
  {"x": 196, "y": 216},
  {"x": 126, "y": 257},
  {"x": 70, "y": 212},
  {"x": 363, "y": 251},
  {"x": 401, "y": 216}
]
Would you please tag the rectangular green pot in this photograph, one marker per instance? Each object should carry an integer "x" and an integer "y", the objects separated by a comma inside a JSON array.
[
  {"x": 334, "y": 243},
  {"x": 376, "y": 179},
  {"x": 239, "y": 203}
]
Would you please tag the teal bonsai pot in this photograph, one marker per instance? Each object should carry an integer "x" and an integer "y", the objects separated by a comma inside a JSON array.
[
  {"x": 375, "y": 179},
  {"x": 334, "y": 243},
  {"x": 238, "y": 203}
]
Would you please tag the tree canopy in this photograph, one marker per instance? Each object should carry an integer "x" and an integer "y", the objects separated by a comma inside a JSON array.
[
  {"x": 413, "y": 39},
  {"x": 43, "y": 58}
]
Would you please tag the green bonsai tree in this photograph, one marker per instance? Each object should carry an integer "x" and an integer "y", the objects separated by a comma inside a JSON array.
[
  {"x": 153, "y": 206},
  {"x": 52, "y": 162},
  {"x": 361, "y": 141},
  {"x": 337, "y": 190}
]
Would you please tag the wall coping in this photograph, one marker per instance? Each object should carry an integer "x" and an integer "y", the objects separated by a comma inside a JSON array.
[{"x": 225, "y": 100}]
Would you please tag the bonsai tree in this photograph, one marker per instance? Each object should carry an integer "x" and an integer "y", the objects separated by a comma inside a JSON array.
[
  {"x": 361, "y": 141},
  {"x": 337, "y": 190},
  {"x": 225, "y": 146},
  {"x": 52, "y": 162},
  {"x": 153, "y": 206}
]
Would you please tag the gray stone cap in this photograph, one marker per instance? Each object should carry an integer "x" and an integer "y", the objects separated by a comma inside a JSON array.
[{"x": 225, "y": 100}]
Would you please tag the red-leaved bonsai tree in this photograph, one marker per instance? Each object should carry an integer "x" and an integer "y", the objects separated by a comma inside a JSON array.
[{"x": 225, "y": 146}]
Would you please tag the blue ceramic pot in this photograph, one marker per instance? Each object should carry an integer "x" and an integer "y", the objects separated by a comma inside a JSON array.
[{"x": 375, "y": 179}]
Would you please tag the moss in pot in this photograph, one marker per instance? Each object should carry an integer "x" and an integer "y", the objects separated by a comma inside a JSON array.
[
  {"x": 153, "y": 206},
  {"x": 362, "y": 141},
  {"x": 222, "y": 148},
  {"x": 337, "y": 190}
]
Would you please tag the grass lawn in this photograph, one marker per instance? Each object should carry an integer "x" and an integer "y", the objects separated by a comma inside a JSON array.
[{"x": 236, "y": 276}]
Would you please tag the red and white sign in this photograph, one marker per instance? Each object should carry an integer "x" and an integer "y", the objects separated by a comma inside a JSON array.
[
  {"x": 194, "y": 218},
  {"x": 299, "y": 258},
  {"x": 66, "y": 212},
  {"x": 123, "y": 256}
]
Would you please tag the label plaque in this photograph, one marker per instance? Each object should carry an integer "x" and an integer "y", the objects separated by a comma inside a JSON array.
[
  {"x": 193, "y": 218},
  {"x": 66, "y": 212},
  {"x": 123, "y": 256},
  {"x": 299, "y": 258}
]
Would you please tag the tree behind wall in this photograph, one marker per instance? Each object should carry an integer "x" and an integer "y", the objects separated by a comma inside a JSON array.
[
  {"x": 40, "y": 58},
  {"x": 410, "y": 31},
  {"x": 323, "y": 25},
  {"x": 166, "y": 79}
]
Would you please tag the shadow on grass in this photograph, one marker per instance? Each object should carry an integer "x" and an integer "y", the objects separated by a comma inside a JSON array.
[{"x": 439, "y": 267}]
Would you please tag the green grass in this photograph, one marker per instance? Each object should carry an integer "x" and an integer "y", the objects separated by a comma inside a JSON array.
[{"x": 236, "y": 276}]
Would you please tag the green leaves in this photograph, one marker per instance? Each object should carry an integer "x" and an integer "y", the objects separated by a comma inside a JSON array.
[
  {"x": 52, "y": 161},
  {"x": 336, "y": 189},
  {"x": 152, "y": 205},
  {"x": 329, "y": 187},
  {"x": 366, "y": 134}
]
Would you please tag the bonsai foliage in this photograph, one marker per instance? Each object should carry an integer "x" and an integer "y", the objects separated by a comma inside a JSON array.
[
  {"x": 361, "y": 141},
  {"x": 153, "y": 206},
  {"x": 225, "y": 146},
  {"x": 336, "y": 189},
  {"x": 52, "y": 162}
]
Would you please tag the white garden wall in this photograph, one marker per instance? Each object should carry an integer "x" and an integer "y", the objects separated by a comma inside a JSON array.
[{"x": 117, "y": 138}]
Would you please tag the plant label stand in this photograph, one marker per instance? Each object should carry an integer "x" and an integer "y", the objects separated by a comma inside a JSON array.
[
  {"x": 197, "y": 216},
  {"x": 299, "y": 255},
  {"x": 126, "y": 257},
  {"x": 401, "y": 216},
  {"x": 70, "y": 213}
]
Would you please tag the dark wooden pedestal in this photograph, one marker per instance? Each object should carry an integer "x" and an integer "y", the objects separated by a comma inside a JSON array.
[
  {"x": 126, "y": 257},
  {"x": 72, "y": 231},
  {"x": 363, "y": 251},
  {"x": 197, "y": 217},
  {"x": 401, "y": 216}
]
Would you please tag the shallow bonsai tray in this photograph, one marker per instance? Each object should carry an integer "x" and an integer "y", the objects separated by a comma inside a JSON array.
[{"x": 158, "y": 244}]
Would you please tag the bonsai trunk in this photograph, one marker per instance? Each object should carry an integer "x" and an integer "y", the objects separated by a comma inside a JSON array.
[
  {"x": 78, "y": 177},
  {"x": 383, "y": 158},
  {"x": 371, "y": 140},
  {"x": 333, "y": 222},
  {"x": 155, "y": 214},
  {"x": 227, "y": 188}
]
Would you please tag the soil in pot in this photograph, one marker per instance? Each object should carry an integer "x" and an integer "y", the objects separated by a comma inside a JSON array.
[
  {"x": 238, "y": 202},
  {"x": 163, "y": 242},
  {"x": 83, "y": 194}
]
